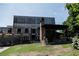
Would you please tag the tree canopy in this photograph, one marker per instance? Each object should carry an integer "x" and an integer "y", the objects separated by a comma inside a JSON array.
[{"x": 73, "y": 18}]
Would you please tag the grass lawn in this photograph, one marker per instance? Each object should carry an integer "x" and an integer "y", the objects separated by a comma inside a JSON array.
[{"x": 36, "y": 49}]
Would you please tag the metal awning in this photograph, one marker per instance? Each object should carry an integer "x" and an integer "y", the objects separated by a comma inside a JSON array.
[{"x": 56, "y": 27}]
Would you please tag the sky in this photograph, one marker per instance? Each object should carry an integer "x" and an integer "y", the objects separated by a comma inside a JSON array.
[{"x": 8, "y": 10}]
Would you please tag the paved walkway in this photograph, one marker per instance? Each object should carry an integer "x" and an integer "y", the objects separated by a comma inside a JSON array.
[{"x": 3, "y": 48}]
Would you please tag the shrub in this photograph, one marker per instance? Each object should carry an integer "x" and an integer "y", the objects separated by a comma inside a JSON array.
[
  {"x": 8, "y": 40},
  {"x": 75, "y": 43}
]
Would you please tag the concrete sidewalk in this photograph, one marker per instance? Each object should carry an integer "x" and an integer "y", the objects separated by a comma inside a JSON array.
[{"x": 3, "y": 48}]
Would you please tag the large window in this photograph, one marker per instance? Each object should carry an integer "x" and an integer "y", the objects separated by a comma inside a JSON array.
[
  {"x": 33, "y": 37},
  {"x": 15, "y": 19},
  {"x": 49, "y": 21},
  {"x": 30, "y": 20},
  {"x": 33, "y": 20},
  {"x": 18, "y": 19},
  {"x": 38, "y": 20},
  {"x": 9, "y": 30},
  {"x": 26, "y": 30},
  {"x": 19, "y": 30},
  {"x": 33, "y": 30}
]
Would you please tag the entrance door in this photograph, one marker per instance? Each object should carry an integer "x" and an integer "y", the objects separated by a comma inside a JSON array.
[{"x": 50, "y": 34}]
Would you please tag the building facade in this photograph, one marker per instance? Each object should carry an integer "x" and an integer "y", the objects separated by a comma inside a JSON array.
[
  {"x": 33, "y": 28},
  {"x": 29, "y": 25},
  {"x": 6, "y": 30}
]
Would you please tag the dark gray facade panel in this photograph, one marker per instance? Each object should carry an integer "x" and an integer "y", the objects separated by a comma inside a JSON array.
[{"x": 33, "y": 20}]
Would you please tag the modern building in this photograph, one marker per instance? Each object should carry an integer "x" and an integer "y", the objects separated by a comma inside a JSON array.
[
  {"x": 3, "y": 30},
  {"x": 34, "y": 28},
  {"x": 30, "y": 25},
  {"x": 6, "y": 30}
]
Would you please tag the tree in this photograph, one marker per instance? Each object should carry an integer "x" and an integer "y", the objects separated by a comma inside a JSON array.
[
  {"x": 73, "y": 18},
  {"x": 43, "y": 38}
]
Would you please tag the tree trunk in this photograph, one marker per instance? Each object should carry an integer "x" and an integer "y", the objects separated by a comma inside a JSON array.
[{"x": 42, "y": 34}]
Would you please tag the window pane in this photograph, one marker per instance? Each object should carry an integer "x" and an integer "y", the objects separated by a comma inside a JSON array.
[
  {"x": 9, "y": 30},
  {"x": 19, "y": 30},
  {"x": 33, "y": 30},
  {"x": 26, "y": 30}
]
